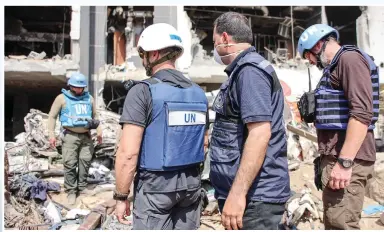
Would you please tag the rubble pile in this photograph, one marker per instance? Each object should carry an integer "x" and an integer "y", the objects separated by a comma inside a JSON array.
[
  {"x": 27, "y": 207},
  {"x": 111, "y": 134},
  {"x": 31, "y": 149},
  {"x": 34, "y": 140},
  {"x": 30, "y": 159},
  {"x": 302, "y": 207}
]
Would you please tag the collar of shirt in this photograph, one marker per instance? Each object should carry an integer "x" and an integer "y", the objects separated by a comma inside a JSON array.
[{"x": 232, "y": 65}]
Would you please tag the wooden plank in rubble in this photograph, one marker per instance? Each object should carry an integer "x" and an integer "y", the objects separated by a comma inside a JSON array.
[{"x": 302, "y": 133}]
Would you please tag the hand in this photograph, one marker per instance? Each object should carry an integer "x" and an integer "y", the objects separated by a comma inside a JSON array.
[
  {"x": 233, "y": 211},
  {"x": 122, "y": 209},
  {"x": 99, "y": 139},
  {"x": 52, "y": 142},
  {"x": 340, "y": 177}
]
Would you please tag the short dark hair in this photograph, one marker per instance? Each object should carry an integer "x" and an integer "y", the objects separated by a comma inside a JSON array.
[
  {"x": 166, "y": 51},
  {"x": 236, "y": 25}
]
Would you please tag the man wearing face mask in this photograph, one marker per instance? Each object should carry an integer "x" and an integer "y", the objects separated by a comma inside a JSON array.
[
  {"x": 347, "y": 108},
  {"x": 249, "y": 167},
  {"x": 77, "y": 116},
  {"x": 165, "y": 125}
]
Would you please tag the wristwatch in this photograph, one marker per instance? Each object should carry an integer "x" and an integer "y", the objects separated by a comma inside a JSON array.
[
  {"x": 120, "y": 196},
  {"x": 346, "y": 163}
]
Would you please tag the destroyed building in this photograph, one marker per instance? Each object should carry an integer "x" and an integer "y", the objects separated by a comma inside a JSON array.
[{"x": 43, "y": 48}]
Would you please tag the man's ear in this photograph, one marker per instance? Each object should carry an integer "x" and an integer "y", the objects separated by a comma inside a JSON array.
[
  {"x": 317, "y": 47},
  {"x": 156, "y": 55},
  {"x": 226, "y": 38}
]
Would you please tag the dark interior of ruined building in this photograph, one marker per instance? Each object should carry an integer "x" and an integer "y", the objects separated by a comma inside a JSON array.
[
  {"x": 37, "y": 28},
  {"x": 272, "y": 25}
]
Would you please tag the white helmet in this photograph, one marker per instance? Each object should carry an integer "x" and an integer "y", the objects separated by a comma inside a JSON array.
[{"x": 159, "y": 36}]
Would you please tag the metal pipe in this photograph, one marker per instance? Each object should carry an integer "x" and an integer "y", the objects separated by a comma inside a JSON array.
[
  {"x": 302, "y": 8},
  {"x": 245, "y": 14},
  {"x": 140, "y": 14},
  {"x": 264, "y": 9}
]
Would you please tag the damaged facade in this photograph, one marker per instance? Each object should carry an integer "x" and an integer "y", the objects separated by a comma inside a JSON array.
[{"x": 44, "y": 47}]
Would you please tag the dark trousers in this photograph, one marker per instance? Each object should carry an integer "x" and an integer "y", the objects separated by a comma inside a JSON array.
[{"x": 260, "y": 215}]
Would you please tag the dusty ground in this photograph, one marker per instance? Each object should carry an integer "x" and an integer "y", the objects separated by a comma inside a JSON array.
[{"x": 299, "y": 178}]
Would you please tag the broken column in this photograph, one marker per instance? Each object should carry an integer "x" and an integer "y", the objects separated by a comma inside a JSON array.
[{"x": 118, "y": 48}]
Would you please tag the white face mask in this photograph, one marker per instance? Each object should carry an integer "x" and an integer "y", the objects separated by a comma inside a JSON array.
[{"x": 217, "y": 57}]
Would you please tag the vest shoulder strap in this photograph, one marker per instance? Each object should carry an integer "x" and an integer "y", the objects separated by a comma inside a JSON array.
[{"x": 263, "y": 66}]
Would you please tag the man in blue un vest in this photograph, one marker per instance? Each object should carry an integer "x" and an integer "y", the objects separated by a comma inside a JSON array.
[
  {"x": 347, "y": 108},
  {"x": 249, "y": 167},
  {"x": 77, "y": 113},
  {"x": 164, "y": 130}
]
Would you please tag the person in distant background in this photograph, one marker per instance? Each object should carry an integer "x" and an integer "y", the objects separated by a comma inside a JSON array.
[
  {"x": 347, "y": 108},
  {"x": 77, "y": 116}
]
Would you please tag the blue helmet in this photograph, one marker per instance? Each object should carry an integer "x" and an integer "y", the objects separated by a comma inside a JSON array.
[
  {"x": 314, "y": 34},
  {"x": 77, "y": 80}
]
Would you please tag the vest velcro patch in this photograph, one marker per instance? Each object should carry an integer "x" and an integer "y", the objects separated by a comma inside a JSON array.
[{"x": 186, "y": 118}]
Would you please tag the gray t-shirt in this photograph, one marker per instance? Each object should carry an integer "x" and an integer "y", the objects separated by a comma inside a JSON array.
[{"x": 138, "y": 110}]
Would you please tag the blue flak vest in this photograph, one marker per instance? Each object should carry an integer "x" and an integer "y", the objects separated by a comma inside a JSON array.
[
  {"x": 174, "y": 139},
  {"x": 77, "y": 110},
  {"x": 228, "y": 138},
  {"x": 332, "y": 109}
]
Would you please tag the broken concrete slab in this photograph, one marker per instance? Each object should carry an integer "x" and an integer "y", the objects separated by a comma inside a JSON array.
[
  {"x": 22, "y": 164},
  {"x": 53, "y": 67}
]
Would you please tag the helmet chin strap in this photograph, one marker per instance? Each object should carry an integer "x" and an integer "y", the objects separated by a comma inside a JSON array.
[{"x": 149, "y": 66}]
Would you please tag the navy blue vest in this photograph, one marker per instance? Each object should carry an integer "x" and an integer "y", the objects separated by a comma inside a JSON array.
[
  {"x": 228, "y": 138},
  {"x": 175, "y": 137},
  {"x": 332, "y": 110},
  {"x": 77, "y": 110}
]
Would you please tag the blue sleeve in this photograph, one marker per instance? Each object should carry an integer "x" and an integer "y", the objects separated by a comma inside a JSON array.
[{"x": 254, "y": 90}]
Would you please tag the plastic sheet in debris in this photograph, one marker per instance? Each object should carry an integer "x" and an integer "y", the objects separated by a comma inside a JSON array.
[{"x": 53, "y": 213}]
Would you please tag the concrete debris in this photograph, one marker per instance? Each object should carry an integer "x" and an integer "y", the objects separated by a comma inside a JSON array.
[
  {"x": 27, "y": 163},
  {"x": 111, "y": 223},
  {"x": 36, "y": 133},
  {"x": 293, "y": 165},
  {"x": 212, "y": 208},
  {"x": 20, "y": 57},
  {"x": 302, "y": 206},
  {"x": 99, "y": 174},
  {"x": 37, "y": 56},
  {"x": 20, "y": 213},
  {"x": 12, "y": 218},
  {"x": 111, "y": 134},
  {"x": 302, "y": 143}
]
